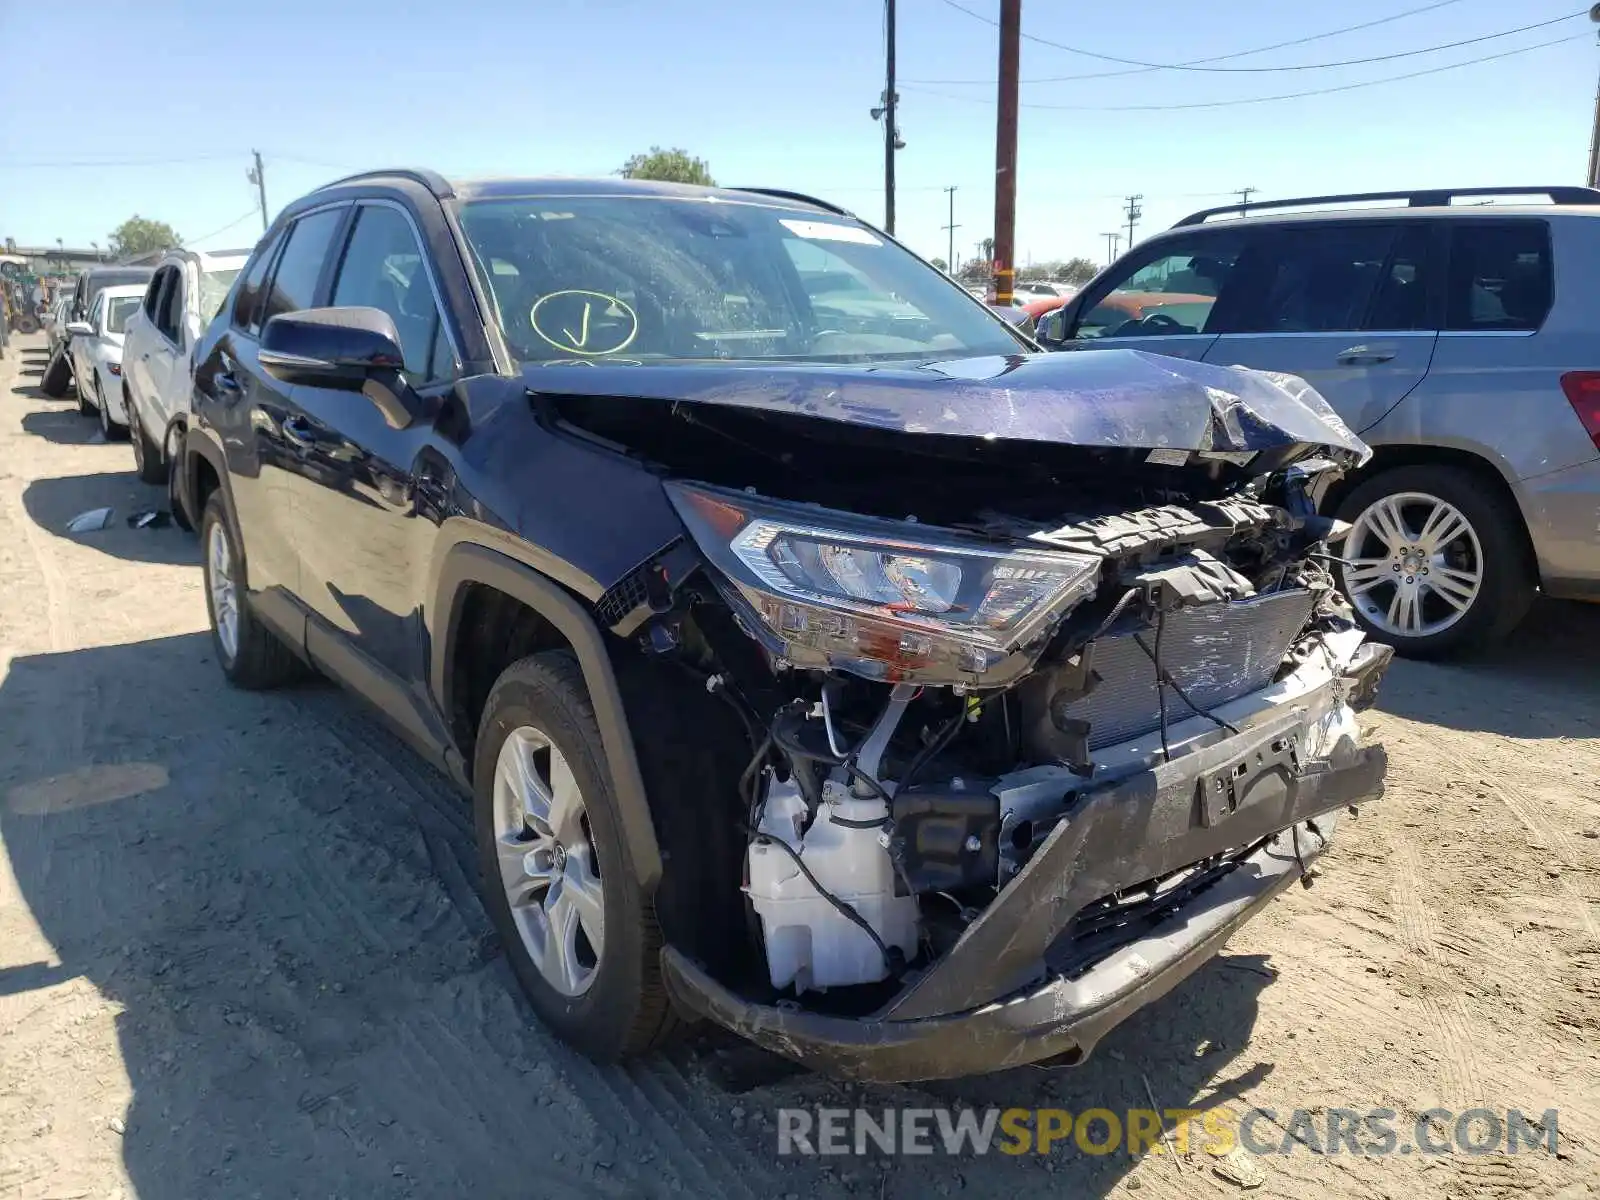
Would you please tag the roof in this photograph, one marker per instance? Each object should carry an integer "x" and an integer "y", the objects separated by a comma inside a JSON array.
[
  {"x": 1393, "y": 213},
  {"x": 513, "y": 186}
]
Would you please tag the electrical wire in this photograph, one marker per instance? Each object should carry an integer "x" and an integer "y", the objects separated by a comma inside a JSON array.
[
  {"x": 1299, "y": 41},
  {"x": 230, "y": 225},
  {"x": 1180, "y": 693},
  {"x": 844, "y": 910},
  {"x": 1328, "y": 91},
  {"x": 1199, "y": 64}
]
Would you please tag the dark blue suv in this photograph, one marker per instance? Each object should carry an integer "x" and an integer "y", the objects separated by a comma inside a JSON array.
[{"x": 821, "y": 659}]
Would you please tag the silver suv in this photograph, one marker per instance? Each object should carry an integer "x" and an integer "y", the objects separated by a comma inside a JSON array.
[{"x": 1459, "y": 341}]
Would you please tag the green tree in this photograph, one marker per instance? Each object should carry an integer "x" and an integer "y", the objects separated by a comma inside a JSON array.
[
  {"x": 141, "y": 235},
  {"x": 1076, "y": 271},
  {"x": 975, "y": 270},
  {"x": 673, "y": 166},
  {"x": 940, "y": 263}
]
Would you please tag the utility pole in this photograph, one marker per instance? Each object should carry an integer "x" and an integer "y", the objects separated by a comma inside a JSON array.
[
  {"x": 950, "y": 263},
  {"x": 1005, "y": 152},
  {"x": 1134, "y": 213},
  {"x": 1244, "y": 198},
  {"x": 1593, "y": 178},
  {"x": 258, "y": 176},
  {"x": 890, "y": 133},
  {"x": 1112, "y": 239}
]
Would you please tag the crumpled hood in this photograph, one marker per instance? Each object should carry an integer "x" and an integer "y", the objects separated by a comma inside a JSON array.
[{"x": 1105, "y": 398}]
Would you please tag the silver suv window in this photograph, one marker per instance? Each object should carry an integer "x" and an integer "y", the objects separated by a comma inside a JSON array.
[{"x": 1499, "y": 275}]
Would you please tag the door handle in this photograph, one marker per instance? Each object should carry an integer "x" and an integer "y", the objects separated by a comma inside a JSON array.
[{"x": 1365, "y": 356}]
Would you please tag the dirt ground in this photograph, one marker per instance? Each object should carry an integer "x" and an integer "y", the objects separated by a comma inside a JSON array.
[{"x": 241, "y": 955}]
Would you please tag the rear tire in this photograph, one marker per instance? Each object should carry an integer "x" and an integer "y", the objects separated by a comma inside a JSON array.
[
  {"x": 108, "y": 428},
  {"x": 146, "y": 456},
  {"x": 57, "y": 374},
  {"x": 250, "y": 655},
  {"x": 1488, "y": 557},
  {"x": 617, "y": 1007}
]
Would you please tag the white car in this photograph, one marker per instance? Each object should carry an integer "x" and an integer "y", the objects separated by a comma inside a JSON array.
[
  {"x": 96, "y": 348},
  {"x": 184, "y": 294}
]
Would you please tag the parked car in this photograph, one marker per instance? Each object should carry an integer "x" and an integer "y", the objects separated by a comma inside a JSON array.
[
  {"x": 96, "y": 349},
  {"x": 1426, "y": 327},
  {"x": 803, "y": 680},
  {"x": 58, "y": 371},
  {"x": 55, "y": 327},
  {"x": 184, "y": 295}
]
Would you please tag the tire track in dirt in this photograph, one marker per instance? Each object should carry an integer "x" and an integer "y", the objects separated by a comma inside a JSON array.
[
  {"x": 655, "y": 1099},
  {"x": 1462, "y": 1080}
]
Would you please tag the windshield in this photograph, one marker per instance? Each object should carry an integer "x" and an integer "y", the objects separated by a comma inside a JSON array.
[
  {"x": 214, "y": 287},
  {"x": 118, "y": 310},
  {"x": 630, "y": 278}
]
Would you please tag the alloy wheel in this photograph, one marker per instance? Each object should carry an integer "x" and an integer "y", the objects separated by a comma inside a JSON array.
[
  {"x": 548, "y": 865},
  {"x": 1413, "y": 565},
  {"x": 224, "y": 590}
]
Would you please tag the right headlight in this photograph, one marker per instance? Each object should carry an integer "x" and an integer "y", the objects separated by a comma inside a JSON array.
[{"x": 834, "y": 590}]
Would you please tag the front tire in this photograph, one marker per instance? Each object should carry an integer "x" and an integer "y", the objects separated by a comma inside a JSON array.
[
  {"x": 250, "y": 655},
  {"x": 580, "y": 935},
  {"x": 1435, "y": 563}
]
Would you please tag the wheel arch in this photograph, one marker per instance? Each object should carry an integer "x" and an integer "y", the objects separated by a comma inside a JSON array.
[
  {"x": 1394, "y": 455},
  {"x": 462, "y": 574}
]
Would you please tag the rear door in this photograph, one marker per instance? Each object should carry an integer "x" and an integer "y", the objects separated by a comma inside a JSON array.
[
  {"x": 250, "y": 406},
  {"x": 136, "y": 358},
  {"x": 1167, "y": 297},
  {"x": 1351, "y": 307},
  {"x": 168, "y": 353}
]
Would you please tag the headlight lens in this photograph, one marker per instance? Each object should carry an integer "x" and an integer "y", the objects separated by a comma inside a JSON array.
[{"x": 839, "y": 590}]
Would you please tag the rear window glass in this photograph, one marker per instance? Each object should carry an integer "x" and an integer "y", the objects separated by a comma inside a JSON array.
[
  {"x": 1499, "y": 276},
  {"x": 214, "y": 287}
]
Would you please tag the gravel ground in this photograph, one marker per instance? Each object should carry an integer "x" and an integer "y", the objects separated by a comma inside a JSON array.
[{"x": 241, "y": 955}]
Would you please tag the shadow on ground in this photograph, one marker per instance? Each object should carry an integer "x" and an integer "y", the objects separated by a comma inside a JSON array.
[
  {"x": 1542, "y": 681},
  {"x": 65, "y": 426},
  {"x": 53, "y": 502}
]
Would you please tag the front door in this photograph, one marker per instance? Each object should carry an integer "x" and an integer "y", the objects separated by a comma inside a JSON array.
[
  {"x": 363, "y": 527},
  {"x": 1349, "y": 307},
  {"x": 1163, "y": 297}
]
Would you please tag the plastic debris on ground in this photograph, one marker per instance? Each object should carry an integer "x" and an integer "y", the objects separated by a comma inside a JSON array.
[{"x": 88, "y": 522}]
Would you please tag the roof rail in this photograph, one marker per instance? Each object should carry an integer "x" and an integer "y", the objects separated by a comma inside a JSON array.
[
  {"x": 432, "y": 180},
  {"x": 1426, "y": 198},
  {"x": 781, "y": 194}
]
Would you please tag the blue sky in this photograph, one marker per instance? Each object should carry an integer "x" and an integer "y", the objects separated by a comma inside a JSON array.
[{"x": 770, "y": 94}]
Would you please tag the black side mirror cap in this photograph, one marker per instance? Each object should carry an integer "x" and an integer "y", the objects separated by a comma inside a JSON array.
[{"x": 356, "y": 349}]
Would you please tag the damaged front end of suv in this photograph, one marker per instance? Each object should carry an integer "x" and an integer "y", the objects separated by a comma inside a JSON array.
[{"x": 1045, "y": 681}]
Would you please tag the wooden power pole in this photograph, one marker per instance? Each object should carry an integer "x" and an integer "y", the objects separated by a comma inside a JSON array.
[
  {"x": 890, "y": 134},
  {"x": 1005, "y": 153}
]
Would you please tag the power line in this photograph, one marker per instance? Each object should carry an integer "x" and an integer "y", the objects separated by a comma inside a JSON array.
[
  {"x": 1345, "y": 87},
  {"x": 1323, "y": 66},
  {"x": 205, "y": 237},
  {"x": 118, "y": 162}
]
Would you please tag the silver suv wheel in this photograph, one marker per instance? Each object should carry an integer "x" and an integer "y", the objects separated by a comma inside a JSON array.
[
  {"x": 1413, "y": 564},
  {"x": 548, "y": 866}
]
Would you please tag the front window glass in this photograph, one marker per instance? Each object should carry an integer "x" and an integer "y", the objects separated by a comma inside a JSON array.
[
  {"x": 624, "y": 278},
  {"x": 1172, "y": 293},
  {"x": 118, "y": 310}
]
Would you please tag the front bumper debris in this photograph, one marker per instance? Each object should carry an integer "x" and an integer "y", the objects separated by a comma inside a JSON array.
[{"x": 983, "y": 1008}]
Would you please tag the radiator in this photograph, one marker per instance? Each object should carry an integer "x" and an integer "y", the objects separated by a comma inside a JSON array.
[{"x": 1215, "y": 653}]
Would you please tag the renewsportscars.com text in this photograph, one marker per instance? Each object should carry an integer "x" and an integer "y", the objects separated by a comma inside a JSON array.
[{"x": 1372, "y": 1132}]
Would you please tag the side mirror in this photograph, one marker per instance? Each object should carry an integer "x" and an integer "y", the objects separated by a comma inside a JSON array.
[
  {"x": 1053, "y": 327},
  {"x": 79, "y": 329},
  {"x": 356, "y": 349}
]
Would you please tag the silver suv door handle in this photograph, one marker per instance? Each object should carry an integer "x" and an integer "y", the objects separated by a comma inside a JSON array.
[{"x": 1365, "y": 356}]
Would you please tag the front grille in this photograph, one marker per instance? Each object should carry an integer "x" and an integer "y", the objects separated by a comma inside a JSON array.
[{"x": 1215, "y": 653}]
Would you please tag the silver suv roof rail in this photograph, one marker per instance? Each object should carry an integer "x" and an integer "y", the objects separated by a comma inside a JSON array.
[{"x": 1426, "y": 198}]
